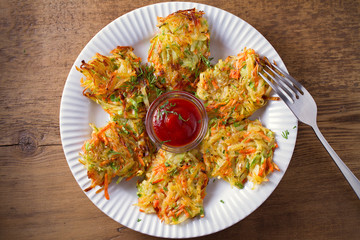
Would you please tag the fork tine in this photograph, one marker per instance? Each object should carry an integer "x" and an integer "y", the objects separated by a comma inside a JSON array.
[
  {"x": 284, "y": 82},
  {"x": 287, "y": 98},
  {"x": 279, "y": 86},
  {"x": 293, "y": 80}
]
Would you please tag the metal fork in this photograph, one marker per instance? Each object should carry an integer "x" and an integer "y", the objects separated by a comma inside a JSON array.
[{"x": 303, "y": 106}]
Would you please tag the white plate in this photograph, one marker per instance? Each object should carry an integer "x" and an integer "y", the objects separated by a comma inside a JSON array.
[{"x": 229, "y": 35}]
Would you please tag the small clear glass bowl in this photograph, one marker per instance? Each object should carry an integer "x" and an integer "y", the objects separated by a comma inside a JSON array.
[{"x": 176, "y": 95}]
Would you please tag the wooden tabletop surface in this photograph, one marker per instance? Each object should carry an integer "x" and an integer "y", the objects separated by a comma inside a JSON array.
[{"x": 319, "y": 41}]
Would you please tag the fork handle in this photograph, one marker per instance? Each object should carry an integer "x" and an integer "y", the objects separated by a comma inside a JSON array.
[{"x": 350, "y": 177}]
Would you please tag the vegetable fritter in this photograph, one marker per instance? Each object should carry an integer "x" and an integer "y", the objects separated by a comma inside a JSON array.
[
  {"x": 233, "y": 89},
  {"x": 180, "y": 49},
  {"x": 174, "y": 187},
  {"x": 115, "y": 151},
  {"x": 119, "y": 84},
  {"x": 239, "y": 152}
]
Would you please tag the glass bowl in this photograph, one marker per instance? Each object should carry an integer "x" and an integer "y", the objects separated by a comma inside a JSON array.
[{"x": 156, "y": 107}]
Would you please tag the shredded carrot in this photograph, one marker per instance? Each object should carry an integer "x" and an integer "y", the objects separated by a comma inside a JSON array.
[
  {"x": 255, "y": 71},
  {"x": 234, "y": 74},
  {"x": 106, "y": 184},
  {"x": 157, "y": 181},
  {"x": 141, "y": 161},
  {"x": 264, "y": 136},
  {"x": 181, "y": 206},
  {"x": 127, "y": 179},
  {"x": 103, "y": 163},
  {"x": 262, "y": 168},
  {"x": 203, "y": 194},
  {"x": 170, "y": 214},
  {"x": 205, "y": 85},
  {"x": 179, "y": 212},
  {"x": 271, "y": 167},
  {"x": 230, "y": 103},
  {"x": 161, "y": 168},
  {"x": 187, "y": 213},
  {"x": 276, "y": 167},
  {"x": 248, "y": 151},
  {"x": 273, "y": 98},
  {"x": 215, "y": 84},
  {"x": 105, "y": 128},
  {"x": 97, "y": 191},
  {"x": 247, "y": 140},
  {"x": 156, "y": 203},
  {"x": 256, "y": 81},
  {"x": 185, "y": 167},
  {"x": 246, "y": 134},
  {"x": 83, "y": 147}
]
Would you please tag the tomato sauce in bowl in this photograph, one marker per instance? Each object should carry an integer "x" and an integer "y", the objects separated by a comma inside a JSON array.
[{"x": 176, "y": 121}]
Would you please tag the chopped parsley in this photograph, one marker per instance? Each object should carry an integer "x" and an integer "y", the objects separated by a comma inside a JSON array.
[
  {"x": 236, "y": 124},
  {"x": 206, "y": 61},
  {"x": 164, "y": 110},
  {"x": 285, "y": 134},
  {"x": 180, "y": 117},
  {"x": 113, "y": 98},
  {"x": 158, "y": 92},
  {"x": 162, "y": 142},
  {"x": 163, "y": 106}
]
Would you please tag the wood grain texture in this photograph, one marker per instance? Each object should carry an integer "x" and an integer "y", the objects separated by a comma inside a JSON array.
[{"x": 319, "y": 42}]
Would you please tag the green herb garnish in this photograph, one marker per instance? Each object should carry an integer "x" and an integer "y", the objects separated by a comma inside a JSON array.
[
  {"x": 206, "y": 61},
  {"x": 180, "y": 117},
  {"x": 162, "y": 142},
  {"x": 285, "y": 134}
]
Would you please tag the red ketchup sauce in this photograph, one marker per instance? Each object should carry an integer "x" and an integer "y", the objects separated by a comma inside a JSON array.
[{"x": 177, "y": 122}]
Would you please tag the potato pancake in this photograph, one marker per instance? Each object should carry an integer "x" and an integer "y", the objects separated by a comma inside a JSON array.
[
  {"x": 174, "y": 187},
  {"x": 115, "y": 151},
  {"x": 233, "y": 89},
  {"x": 180, "y": 49},
  {"x": 239, "y": 152},
  {"x": 119, "y": 84}
]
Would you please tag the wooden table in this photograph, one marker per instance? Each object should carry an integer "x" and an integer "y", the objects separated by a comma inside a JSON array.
[{"x": 320, "y": 44}]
